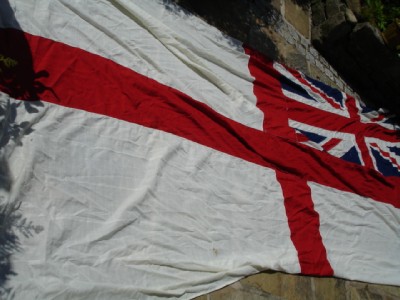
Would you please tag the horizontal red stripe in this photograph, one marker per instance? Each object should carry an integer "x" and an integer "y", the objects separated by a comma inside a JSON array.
[
  {"x": 330, "y": 121},
  {"x": 77, "y": 79}
]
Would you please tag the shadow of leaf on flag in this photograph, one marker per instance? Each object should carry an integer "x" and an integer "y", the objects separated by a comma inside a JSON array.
[
  {"x": 18, "y": 80},
  {"x": 18, "y": 77},
  {"x": 11, "y": 223}
]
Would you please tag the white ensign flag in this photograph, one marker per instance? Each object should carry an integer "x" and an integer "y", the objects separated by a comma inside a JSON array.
[{"x": 144, "y": 154}]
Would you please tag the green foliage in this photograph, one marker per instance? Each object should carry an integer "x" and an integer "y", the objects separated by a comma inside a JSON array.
[
  {"x": 6, "y": 62},
  {"x": 381, "y": 12}
]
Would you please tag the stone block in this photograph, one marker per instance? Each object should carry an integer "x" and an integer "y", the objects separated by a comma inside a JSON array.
[
  {"x": 301, "y": 49},
  {"x": 365, "y": 33},
  {"x": 332, "y": 70},
  {"x": 276, "y": 4},
  {"x": 297, "y": 37},
  {"x": 298, "y": 17},
  {"x": 318, "y": 13},
  {"x": 350, "y": 16},
  {"x": 319, "y": 65},
  {"x": 282, "y": 28},
  {"x": 313, "y": 52},
  {"x": 310, "y": 58},
  {"x": 243, "y": 290},
  {"x": 339, "y": 83},
  {"x": 304, "y": 42},
  {"x": 329, "y": 288},
  {"x": 258, "y": 39},
  {"x": 355, "y": 6},
  {"x": 316, "y": 73},
  {"x": 296, "y": 60},
  {"x": 334, "y": 28},
  {"x": 329, "y": 74},
  {"x": 290, "y": 40},
  {"x": 348, "y": 90},
  {"x": 280, "y": 286},
  {"x": 332, "y": 8}
]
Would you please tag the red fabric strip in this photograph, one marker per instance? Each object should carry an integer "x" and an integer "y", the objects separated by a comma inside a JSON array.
[
  {"x": 304, "y": 226},
  {"x": 68, "y": 76},
  {"x": 300, "y": 78},
  {"x": 331, "y": 144},
  {"x": 309, "y": 115},
  {"x": 360, "y": 139},
  {"x": 303, "y": 220},
  {"x": 269, "y": 96},
  {"x": 385, "y": 154}
]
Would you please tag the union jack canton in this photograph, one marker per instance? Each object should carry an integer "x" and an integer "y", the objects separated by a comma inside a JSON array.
[{"x": 331, "y": 121}]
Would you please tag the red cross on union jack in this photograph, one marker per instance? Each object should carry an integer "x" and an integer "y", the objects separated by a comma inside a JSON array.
[
  {"x": 307, "y": 111},
  {"x": 325, "y": 118}
]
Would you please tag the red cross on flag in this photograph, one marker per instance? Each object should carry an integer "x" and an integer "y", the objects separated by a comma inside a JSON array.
[{"x": 146, "y": 155}]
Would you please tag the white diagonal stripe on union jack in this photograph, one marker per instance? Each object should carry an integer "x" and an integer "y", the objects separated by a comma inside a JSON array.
[{"x": 319, "y": 113}]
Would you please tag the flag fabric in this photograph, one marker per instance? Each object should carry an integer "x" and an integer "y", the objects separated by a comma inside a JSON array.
[
  {"x": 369, "y": 139},
  {"x": 145, "y": 154}
]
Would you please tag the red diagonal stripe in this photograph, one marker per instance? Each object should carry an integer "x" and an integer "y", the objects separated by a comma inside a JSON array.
[
  {"x": 387, "y": 155},
  {"x": 78, "y": 79},
  {"x": 314, "y": 89},
  {"x": 331, "y": 144}
]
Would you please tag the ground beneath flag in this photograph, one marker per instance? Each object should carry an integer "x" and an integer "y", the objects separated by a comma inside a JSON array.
[{"x": 280, "y": 286}]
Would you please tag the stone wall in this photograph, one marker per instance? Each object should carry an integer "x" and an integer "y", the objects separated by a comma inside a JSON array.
[
  {"x": 279, "y": 286},
  {"x": 357, "y": 51},
  {"x": 292, "y": 28}
]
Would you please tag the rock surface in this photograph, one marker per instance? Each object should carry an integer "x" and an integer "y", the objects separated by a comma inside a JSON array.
[
  {"x": 357, "y": 51},
  {"x": 279, "y": 286}
]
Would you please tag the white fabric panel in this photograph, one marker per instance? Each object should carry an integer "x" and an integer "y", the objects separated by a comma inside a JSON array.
[
  {"x": 121, "y": 211},
  {"x": 157, "y": 40},
  {"x": 359, "y": 234}
]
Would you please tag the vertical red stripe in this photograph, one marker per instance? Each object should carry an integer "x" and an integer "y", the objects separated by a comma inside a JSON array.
[
  {"x": 267, "y": 89},
  {"x": 302, "y": 218},
  {"x": 304, "y": 225},
  {"x": 360, "y": 140}
]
